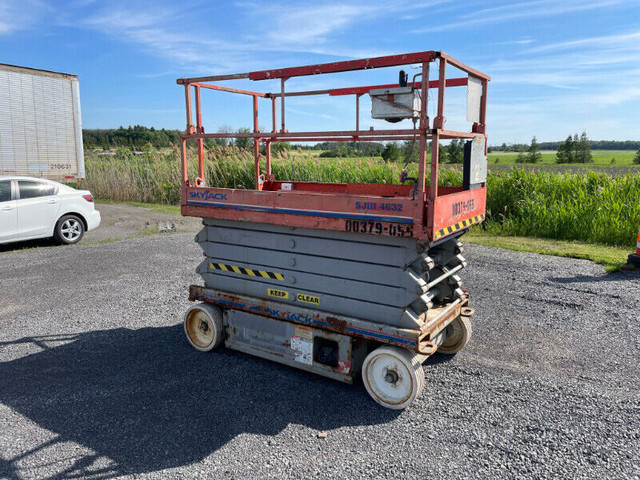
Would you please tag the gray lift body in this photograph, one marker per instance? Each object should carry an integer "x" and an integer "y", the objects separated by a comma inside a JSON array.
[{"x": 273, "y": 281}]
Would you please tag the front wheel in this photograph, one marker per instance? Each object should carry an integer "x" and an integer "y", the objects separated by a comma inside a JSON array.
[
  {"x": 203, "y": 327},
  {"x": 69, "y": 230},
  {"x": 393, "y": 376}
]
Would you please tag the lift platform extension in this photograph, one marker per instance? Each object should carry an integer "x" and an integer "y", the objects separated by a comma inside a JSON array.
[{"x": 339, "y": 279}]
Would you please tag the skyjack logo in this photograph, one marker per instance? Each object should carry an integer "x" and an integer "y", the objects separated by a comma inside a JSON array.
[{"x": 207, "y": 195}]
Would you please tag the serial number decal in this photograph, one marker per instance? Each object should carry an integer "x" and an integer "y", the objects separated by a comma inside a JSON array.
[
  {"x": 272, "y": 292},
  {"x": 60, "y": 166},
  {"x": 303, "y": 332},
  {"x": 302, "y": 297},
  {"x": 459, "y": 208},
  {"x": 391, "y": 207},
  {"x": 377, "y": 228}
]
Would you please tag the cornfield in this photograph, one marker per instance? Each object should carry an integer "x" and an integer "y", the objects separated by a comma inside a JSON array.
[{"x": 591, "y": 207}]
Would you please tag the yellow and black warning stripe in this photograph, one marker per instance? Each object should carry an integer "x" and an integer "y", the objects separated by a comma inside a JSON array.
[
  {"x": 247, "y": 271},
  {"x": 458, "y": 226}
]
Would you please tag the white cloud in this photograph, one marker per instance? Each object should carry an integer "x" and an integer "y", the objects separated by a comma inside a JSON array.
[
  {"x": 310, "y": 28},
  {"x": 15, "y": 16},
  {"x": 161, "y": 32},
  {"x": 522, "y": 41},
  {"x": 310, "y": 24},
  {"x": 626, "y": 40},
  {"x": 320, "y": 28},
  {"x": 515, "y": 11}
]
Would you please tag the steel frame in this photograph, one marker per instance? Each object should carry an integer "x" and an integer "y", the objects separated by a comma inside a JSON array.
[
  {"x": 427, "y": 208},
  {"x": 433, "y": 322}
]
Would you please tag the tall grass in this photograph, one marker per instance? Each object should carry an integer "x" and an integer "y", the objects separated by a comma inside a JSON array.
[
  {"x": 591, "y": 207},
  {"x": 155, "y": 177}
]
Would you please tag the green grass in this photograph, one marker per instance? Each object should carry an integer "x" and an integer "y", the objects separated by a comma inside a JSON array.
[
  {"x": 148, "y": 231},
  {"x": 155, "y": 176},
  {"x": 612, "y": 258},
  {"x": 600, "y": 158},
  {"x": 158, "y": 207}
]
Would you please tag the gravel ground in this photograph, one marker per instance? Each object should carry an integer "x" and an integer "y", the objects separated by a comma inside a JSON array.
[{"x": 96, "y": 379}]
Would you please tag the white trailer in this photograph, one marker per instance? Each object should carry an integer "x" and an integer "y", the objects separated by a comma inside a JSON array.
[{"x": 40, "y": 124}]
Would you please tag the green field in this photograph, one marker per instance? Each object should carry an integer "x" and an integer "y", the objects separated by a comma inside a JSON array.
[{"x": 600, "y": 158}]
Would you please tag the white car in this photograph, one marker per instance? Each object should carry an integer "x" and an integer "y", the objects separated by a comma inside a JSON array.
[{"x": 33, "y": 208}]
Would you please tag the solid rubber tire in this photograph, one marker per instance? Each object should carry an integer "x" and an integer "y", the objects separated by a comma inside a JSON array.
[
  {"x": 213, "y": 317},
  {"x": 409, "y": 360},
  {"x": 460, "y": 337}
]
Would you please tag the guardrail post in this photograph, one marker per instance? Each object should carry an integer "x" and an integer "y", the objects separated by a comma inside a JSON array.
[
  {"x": 199, "y": 129},
  {"x": 256, "y": 143}
]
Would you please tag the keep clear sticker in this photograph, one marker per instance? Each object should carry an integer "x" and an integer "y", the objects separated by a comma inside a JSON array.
[{"x": 302, "y": 345}]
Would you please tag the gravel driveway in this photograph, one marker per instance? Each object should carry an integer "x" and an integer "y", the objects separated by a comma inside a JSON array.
[{"x": 97, "y": 379}]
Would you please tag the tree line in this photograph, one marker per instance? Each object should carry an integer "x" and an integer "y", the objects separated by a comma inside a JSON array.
[
  {"x": 408, "y": 151},
  {"x": 595, "y": 145},
  {"x": 136, "y": 137},
  {"x": 574, "y": 149}
]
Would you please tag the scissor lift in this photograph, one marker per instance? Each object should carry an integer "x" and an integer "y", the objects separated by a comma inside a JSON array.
[{"x": 338, "y": 278}]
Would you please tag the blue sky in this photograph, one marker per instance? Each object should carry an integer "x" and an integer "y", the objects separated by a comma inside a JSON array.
[{"x": 556, "y": 67}]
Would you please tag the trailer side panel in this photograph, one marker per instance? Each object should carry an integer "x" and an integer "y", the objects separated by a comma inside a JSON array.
[{"x": 40, "y": 124}]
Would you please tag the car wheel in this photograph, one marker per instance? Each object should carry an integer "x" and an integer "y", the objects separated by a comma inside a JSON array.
[{"x": 69, "y": 230}]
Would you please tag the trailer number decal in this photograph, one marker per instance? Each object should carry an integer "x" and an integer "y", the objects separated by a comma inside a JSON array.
[
  {"x": 377, "y": 228},
  {"x": 460, "y": 208},
  {"x": 272, "y": 292},
  {"x": 394, "y": 207},
  {"x": 302, "y": 345},
  {"x": 301, "y": 297}
]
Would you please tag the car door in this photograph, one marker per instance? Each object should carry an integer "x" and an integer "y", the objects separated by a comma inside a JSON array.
[
  {"x": 8, "y": 212},
  {"x": 38, "y": 205}
]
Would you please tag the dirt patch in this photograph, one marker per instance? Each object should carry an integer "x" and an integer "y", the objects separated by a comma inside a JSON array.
[{"x": 120, "y": 221}]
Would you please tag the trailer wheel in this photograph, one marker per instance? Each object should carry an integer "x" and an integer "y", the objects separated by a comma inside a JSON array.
[
  {"x": 458, "y": 338},
  {"x": 203, "y": 327},
  {"x": 393, "y": 376}
]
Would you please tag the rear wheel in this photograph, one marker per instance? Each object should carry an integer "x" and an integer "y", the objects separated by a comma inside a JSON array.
[
  {"x": 459, "y": 336},
  {"x": 69, "y": 230},
  {"x": 203, "y": 327},
  {"x": 393, "y": 376}
]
